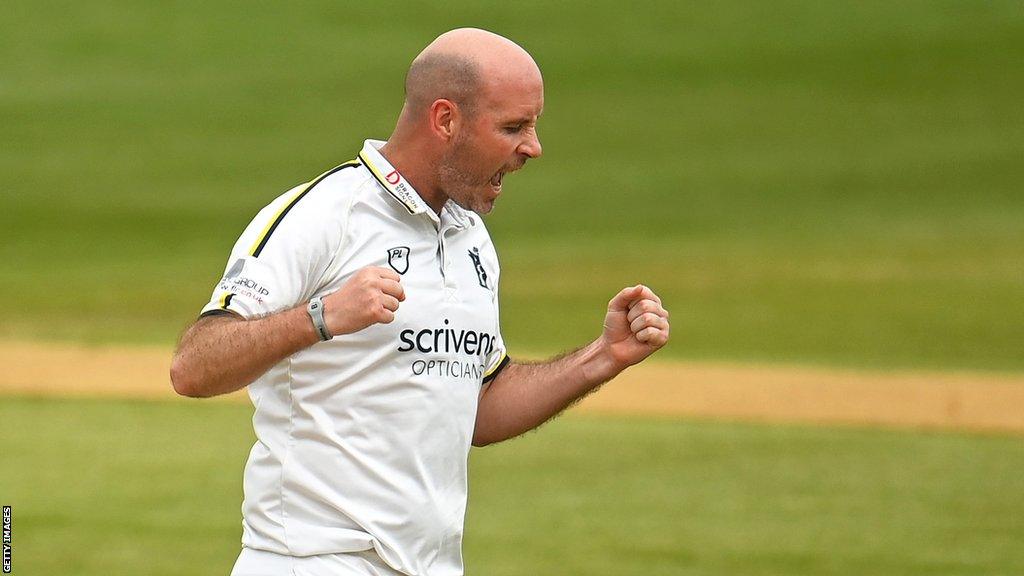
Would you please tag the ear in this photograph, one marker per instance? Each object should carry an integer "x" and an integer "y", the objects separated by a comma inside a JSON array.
[{"x": 444, "y": 118}]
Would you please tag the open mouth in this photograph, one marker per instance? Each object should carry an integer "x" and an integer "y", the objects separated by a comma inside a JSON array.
[{"x": 496, "y": 179}]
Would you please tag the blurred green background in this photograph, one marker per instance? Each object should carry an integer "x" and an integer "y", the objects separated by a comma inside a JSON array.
[
  {"x": 154, "y": 488},
  {"x": 813, "y": 182},
  {"x": 821, "y": 182}
]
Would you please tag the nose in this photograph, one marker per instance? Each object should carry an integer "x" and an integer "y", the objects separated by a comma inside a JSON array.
[{"x": 531, "y": 146}]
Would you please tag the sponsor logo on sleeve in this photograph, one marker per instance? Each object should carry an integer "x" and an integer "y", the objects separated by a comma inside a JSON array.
[
  {"x": 236, "y": 269},
  {"x": 234, "y": 282}
]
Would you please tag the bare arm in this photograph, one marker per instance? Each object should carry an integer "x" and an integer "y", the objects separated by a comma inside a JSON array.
[
  {"x": 524, "y": 396},
  {"x": 221, "y": 354}
]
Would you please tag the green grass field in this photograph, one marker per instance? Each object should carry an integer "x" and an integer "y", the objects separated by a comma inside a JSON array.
[
  {"x": 106, "y": 487},
  {"x": 813, "y": 182},
  {"x": 803, "y": 181}
]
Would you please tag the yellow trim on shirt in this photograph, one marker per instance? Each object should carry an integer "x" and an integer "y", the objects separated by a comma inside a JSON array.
[
  {"x": 261, "y": 239},
  {"x": 496, "y": 366},
  {"x": 270, "y": 223}
]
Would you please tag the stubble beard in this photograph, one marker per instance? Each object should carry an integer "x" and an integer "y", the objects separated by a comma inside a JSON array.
[{"x": 459, "y": 183}]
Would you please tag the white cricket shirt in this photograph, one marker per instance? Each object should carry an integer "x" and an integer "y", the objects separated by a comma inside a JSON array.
[{"x": 363, "y": 440}]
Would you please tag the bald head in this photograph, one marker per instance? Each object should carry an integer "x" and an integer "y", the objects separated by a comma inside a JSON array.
[
  {"x": 463, "y": 66},
  {"x": 472, "y": 100}
]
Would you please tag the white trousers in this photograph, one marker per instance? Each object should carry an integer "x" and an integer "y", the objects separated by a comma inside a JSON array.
[{"x": 262, "y": 563}]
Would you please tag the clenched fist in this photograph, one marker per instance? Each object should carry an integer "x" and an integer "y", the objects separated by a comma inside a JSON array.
[
  {"x": 635, "y": 326},
  {"x": 370, "y": 297}
]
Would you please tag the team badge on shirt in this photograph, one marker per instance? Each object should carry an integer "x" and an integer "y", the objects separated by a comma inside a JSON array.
[
  {"x": 481, "y": 274},
  {"x": 398, "y": 259}
]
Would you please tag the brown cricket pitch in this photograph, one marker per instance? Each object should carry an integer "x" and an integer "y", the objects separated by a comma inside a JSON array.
[{"x": 734, "y": 391}]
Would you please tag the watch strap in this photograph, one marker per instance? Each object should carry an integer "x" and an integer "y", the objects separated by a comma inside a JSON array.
[{"x": 315, "y": 308}]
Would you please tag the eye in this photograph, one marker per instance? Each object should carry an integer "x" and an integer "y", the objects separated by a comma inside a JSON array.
[{"x": 513, "y": 128}]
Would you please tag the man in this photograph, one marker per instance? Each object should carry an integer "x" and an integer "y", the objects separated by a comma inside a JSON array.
[{"x": 361, "y": 310}]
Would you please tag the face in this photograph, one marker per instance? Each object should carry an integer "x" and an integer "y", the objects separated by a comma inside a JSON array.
[{"x": 497, "y": 138}]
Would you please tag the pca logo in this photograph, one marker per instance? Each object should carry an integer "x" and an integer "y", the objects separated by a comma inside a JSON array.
[
  {"x": 481, "y": 274},
  {"x": 398, "y": 259}
]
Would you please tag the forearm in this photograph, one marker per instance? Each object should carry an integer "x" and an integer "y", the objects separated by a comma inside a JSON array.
[
  {"x": 524, "y": 396},
  {"x": 221, "y": 354}
]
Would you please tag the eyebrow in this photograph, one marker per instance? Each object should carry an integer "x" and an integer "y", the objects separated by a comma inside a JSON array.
[{"x": 521, "y": 119}]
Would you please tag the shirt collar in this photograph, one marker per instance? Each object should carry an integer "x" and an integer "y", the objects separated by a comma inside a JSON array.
[
  {"x": 401, "y": 190},
  {"x": 460, "y": 217},
  {"x": 390, "y": 179}
]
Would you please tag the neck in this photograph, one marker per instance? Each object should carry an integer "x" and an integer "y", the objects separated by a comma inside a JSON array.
[{"x": 416, "y": 165}]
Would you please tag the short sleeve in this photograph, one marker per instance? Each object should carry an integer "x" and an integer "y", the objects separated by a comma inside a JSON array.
[
  {"x": 281, "y": 258},
  {"x": 497, "y": 359}
]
